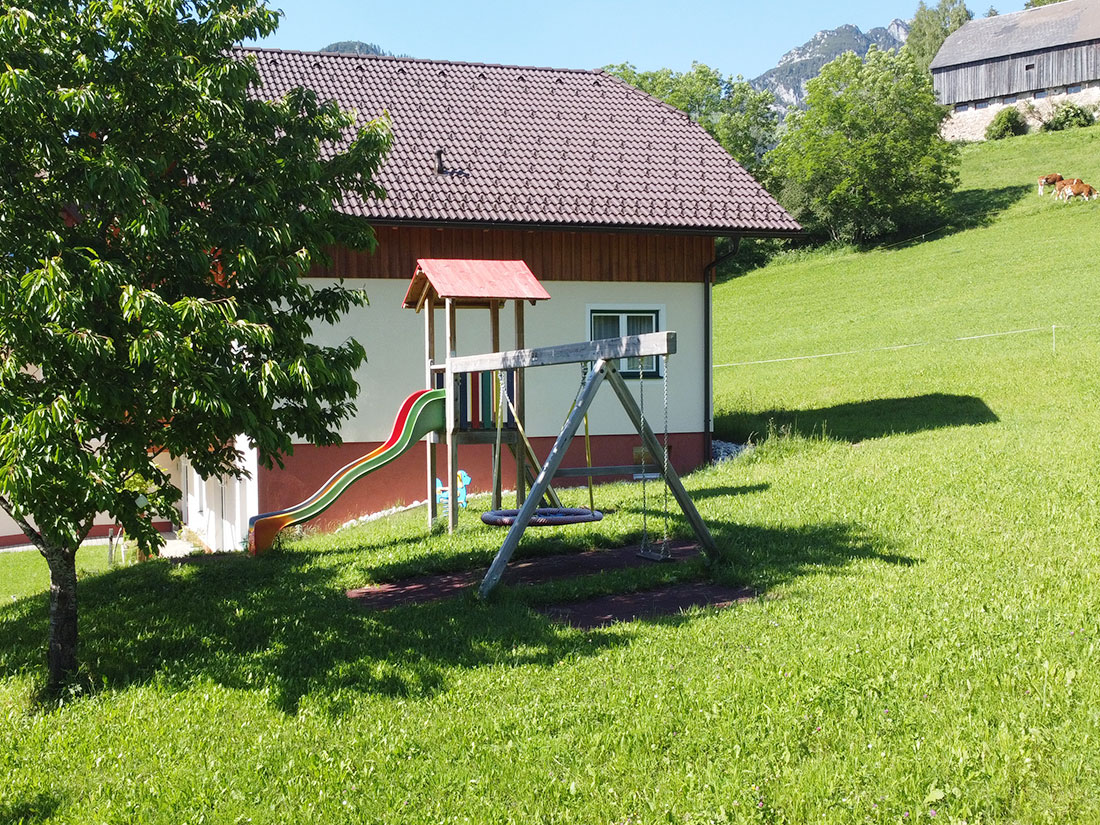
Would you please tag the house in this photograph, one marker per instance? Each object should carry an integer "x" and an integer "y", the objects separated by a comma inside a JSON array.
[
  {"x": 612, "y": 198},
  {"x": 1032, "y": 59}
]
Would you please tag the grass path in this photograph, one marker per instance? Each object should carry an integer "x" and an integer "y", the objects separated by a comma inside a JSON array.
[{"x": 922, "y": 524}]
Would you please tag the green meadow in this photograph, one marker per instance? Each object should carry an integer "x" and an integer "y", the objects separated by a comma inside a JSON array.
[{"x": 918, "y": 515}]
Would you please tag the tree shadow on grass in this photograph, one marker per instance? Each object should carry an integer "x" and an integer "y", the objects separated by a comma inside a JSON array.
[
  {"x": 38, "y": 808},
  {"x": 861, "y": 420},
  {"x": 968, "y": 208},
  {"x": 283, "y": 625}
]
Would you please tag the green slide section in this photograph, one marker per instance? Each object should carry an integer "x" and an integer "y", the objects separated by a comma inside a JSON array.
[{"x": 421, "y": 413}]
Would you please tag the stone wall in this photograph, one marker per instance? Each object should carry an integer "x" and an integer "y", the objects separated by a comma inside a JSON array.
[{"x": 970, "y": 125}]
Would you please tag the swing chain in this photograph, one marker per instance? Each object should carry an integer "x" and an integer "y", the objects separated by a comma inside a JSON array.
[
  {"x": 641, "y": 407},
  {"x": 664, "y": 543}
]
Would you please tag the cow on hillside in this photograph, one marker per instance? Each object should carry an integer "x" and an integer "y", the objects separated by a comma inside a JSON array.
[
  {"x": 1048, "y": 180},
  {"x": 1077, "y": 189},
  {"x": 1062, "y": 184}
]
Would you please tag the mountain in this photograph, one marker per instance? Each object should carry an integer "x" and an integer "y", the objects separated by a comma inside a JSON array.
[
  {"x": 787, "y": 81},
  {"x": 359, "y": 47}
]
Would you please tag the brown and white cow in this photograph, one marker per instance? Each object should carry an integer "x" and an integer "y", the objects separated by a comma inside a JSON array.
[
  {"x": 1048, "y": 180},
  {"x": 1077, "y": 189},
  {"x": 1060, "y": 186}
]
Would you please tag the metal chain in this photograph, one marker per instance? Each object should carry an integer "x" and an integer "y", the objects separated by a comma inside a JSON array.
[
  {"x": 664, "y": 542},
  {"x": 641, "y": 406}
]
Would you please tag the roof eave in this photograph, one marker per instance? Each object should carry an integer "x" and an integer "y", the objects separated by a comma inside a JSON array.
[{"x": 633, "y": 229}]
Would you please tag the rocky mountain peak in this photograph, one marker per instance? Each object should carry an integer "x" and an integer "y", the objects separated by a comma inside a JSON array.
[{"x": 787, "y": 81}]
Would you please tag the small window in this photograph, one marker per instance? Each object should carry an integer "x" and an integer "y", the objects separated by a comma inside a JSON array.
[
  {"x": 1072, "y": 90},
  {"x": 611, "y": 323},
  {"x": 1030, "y": 67},
  {"x": 961, "y": 107},
  {"x": 982, "y": 104},
  {"x": 1040, "y": 93},
  {"x": 1009, "y": 100}
]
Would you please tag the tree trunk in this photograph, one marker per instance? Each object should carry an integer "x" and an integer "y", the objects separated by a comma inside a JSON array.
[{"x": 61, "y": 654}]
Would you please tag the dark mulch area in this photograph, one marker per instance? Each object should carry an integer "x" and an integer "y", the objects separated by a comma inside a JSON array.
[
  {"x": 646, "y": 604},
  {"x": 525, "y": 571}
]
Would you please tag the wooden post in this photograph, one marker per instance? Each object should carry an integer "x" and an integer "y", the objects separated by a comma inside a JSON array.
[
  {"x": 498, "y": 459},
  {"x": 452, "y": 422},
  {"x": 429, "y": 357},
  {"x": 521, "y": 410},
  {"x": 542, "y": 483}
]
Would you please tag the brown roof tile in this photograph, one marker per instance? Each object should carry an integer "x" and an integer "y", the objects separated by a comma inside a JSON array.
[{"x": 528, "y": 146}]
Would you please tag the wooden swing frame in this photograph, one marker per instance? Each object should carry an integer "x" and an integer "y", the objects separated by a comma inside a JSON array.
[{"x": 604, "y": 354}]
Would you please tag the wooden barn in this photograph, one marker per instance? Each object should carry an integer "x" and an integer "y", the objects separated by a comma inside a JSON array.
[
  {"x": 1032, "y": 59},
  {"x": 613, "y": 199}
]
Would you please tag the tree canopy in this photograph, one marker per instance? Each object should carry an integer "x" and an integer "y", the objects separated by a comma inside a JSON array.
[
  {"x": 931, "y": 26},
  {"x": 866, "y": 157},
  {"x": 155, "y": 218},
  {"x": 738, "y": 116}
]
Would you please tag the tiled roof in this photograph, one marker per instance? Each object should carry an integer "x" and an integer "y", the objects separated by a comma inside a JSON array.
[
  {"x": 1045, "y": 27},
  {"x": 531, "y": 147}
]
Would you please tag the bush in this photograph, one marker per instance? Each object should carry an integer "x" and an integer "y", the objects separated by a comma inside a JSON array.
[
  {"x": 1006, "y": 123},
  {"x": 1068, "y": 116}
]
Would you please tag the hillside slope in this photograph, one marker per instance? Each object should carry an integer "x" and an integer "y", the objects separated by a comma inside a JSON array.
[{"x": 1030, "y": 264}]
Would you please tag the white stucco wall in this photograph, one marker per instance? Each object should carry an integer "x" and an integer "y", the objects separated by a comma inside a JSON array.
[
  {"x": 394, "y": 340},
  {"x": 216, "y": 510}
]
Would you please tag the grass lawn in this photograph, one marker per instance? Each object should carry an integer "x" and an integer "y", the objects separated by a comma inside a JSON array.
[{"x": 921, "y": 524}]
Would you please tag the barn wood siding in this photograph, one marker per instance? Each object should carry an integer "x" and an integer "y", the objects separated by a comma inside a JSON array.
[
  {"x": 988, "y": 79},
  {"x": 552, "y": 256}
]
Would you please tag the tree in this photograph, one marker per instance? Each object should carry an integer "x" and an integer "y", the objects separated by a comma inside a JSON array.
[
  {"x": 1034, "y": 4},
  {"x": 991, "y": 12},
  {"x": 865, "y": 157},
  {"x": 931, "y": 26},
  {"x": 739, "y": 117},
  {"x": 156, "y": 218}
]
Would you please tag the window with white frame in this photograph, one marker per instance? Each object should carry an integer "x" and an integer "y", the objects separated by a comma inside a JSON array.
[{"x": 617, "y": 323}]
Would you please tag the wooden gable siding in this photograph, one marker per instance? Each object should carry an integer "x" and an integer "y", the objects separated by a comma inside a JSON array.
[
  {"x": 989, "y": 79},
  {"x": 551, "y": 255}
]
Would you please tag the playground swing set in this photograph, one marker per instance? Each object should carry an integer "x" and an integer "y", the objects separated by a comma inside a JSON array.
[{"x": 480, "y": 399}]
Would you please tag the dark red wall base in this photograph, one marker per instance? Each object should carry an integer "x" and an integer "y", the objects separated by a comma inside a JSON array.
[
  {"x": 405, "y": 481},
  {"x": 97, "y": 532}
]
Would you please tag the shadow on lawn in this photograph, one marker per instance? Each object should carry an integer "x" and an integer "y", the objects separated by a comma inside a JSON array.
[
  {"x": 38, "y": 808},
  {"x": 966, "y": 209},
  {"x": 980, "y": 207},
  {"x": 282, "y": 623},
  {"x": 861, "y": 420}
]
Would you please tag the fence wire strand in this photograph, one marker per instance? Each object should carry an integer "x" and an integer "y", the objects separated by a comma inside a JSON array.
[{"x": 1053, "y": 328}]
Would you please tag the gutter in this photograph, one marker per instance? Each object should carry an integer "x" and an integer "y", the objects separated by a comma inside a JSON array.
[{"x": 708, "y": 347}]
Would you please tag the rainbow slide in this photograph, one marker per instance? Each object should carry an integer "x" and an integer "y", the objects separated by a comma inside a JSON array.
[{"x": 421, "y": 413}]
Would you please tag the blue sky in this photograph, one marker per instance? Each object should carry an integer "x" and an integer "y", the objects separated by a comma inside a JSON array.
[{"x": 735, "y": 37}]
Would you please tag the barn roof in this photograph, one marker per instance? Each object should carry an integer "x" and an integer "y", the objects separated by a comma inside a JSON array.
[
  {"x": 1046, "y": 27},
  {"x": 468, "y": 281},
  {"x": 531, "y": 147}
]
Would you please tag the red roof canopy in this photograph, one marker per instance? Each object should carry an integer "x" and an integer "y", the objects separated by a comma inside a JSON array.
[{"x": 473, "y": 282}]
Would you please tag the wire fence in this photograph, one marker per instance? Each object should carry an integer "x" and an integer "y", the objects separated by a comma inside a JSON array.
[{"x": 1052, "y": 329}]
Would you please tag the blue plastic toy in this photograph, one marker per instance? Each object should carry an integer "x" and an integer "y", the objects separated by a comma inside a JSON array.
[{"x": 443, "y": 495}]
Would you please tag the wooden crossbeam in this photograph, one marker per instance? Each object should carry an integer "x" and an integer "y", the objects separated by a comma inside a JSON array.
[{"x": 631, "y": 346}]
